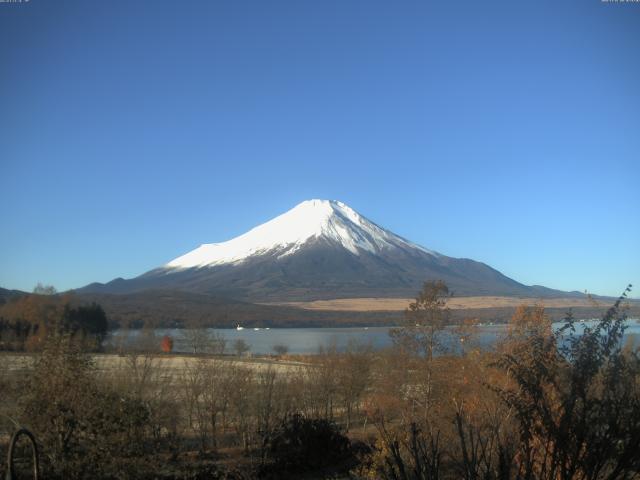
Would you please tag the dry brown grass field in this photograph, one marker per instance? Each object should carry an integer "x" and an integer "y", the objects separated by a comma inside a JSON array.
[
  {"x": 169, "y": 364},
  {"x": 456, "y": 303}
]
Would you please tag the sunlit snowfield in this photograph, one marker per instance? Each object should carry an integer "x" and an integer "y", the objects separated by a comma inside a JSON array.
[{"x": 309, "y": 340}]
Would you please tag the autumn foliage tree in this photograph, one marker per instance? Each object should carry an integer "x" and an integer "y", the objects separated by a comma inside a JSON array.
[
  {"x": 421, "y": 336},
  {"x": 576, "y": 398},
  {"x": 166, "y": 344},
  {"x": 558, "y": 404},
  {"x": 528, "y": 321},
  {"x": 424, "y": 320}
]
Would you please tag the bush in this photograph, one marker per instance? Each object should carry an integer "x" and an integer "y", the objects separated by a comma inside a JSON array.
[{"x": 306, "y": 444}]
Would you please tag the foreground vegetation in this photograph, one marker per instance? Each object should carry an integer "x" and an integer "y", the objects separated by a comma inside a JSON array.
[{"x": 543, "y": 405}]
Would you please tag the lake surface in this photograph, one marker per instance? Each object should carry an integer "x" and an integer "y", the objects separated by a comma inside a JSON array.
[{"x": 309, "y": 340}]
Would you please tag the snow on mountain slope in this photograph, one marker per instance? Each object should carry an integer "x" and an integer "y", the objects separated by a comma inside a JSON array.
[{"x": 287, "y": 233}]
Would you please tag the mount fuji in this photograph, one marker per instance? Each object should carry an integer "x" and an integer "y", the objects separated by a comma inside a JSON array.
[{"x": 320, "y": 249}]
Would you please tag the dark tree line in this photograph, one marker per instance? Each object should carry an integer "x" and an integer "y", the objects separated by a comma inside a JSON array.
[{"x": 26, "y": 321}]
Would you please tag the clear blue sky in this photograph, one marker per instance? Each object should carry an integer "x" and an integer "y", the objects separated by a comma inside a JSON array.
[{"x": 507, "y": 132}]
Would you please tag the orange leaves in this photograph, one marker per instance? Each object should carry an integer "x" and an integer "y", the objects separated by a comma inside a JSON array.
[
  {"x": 529, "y": 320},
  {"x": 166, "y": 344}
]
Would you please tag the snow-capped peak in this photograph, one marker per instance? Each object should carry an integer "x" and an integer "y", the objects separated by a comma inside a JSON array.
[{"x": 287, "y": 233}]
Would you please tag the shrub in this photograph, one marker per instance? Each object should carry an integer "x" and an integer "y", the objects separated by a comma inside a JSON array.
[
  {"x": 80, "y": 424},
  {"x": 576, "y": 398},
  {"x": 306, "y": 444}
]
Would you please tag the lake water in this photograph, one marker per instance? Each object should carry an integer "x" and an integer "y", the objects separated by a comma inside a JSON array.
[{"x": 309, "y": 340}]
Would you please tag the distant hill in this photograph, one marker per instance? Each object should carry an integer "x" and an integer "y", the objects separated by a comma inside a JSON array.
[
  {"x": 158, "y": 308},
  {"x": 5, "y": 294},
  {"x": 177, "y": 309}
]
